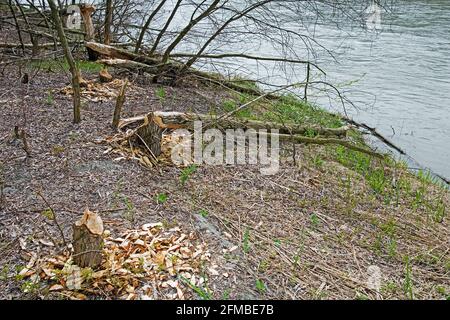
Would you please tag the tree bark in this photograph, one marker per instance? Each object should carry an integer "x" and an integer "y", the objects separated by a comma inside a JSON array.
[{"x": 150, "y": 134}]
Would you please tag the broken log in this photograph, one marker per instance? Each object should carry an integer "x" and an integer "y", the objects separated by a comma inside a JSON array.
[
  {"x": 88, "y": 240},
  {"x": 128, "y": 64},
  {"x": 172, "y": 68},
  {"x": 150, "y": 127},
  {"x": 113, "y": 52},
  {"x": 178, "y": 120}
]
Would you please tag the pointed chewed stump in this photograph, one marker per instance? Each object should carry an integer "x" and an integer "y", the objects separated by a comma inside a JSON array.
[
  {"x": 145, "y": 131},
  {"x": 88, "y": 240},
  {"x": 150, "y": 134}
]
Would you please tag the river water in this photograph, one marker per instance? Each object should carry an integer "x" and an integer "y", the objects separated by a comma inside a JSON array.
[
  {"x": 404, "y": 69},
  {"x": 398, "y": 76}
]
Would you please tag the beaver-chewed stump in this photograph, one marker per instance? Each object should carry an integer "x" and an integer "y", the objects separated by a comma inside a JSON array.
[
  {"x": 150, "y": 134},
  {"x": 88, "y": 240}
]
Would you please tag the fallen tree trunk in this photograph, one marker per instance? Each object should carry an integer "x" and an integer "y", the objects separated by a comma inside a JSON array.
[
  {"x": 30, "y": 45},
  {"x": 322, "y": 141},
  {"x": 128, "y": 64},
  {"x": 149, "y": 128},
  {"x": 178, "y": 120},
  {"x": 172, "y": 69},
  {"x": 118, "y": 53}
]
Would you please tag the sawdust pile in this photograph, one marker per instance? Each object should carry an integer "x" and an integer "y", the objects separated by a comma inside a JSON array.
[{"x": 96, "y": 91}]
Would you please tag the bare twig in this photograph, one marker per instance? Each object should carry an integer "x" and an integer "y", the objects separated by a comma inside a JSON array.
[{"x": 39, "y": 193}]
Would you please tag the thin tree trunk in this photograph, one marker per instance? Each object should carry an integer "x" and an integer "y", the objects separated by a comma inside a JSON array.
[
  {"x": 186, "y": 29},
  {"x": 146, "y": 25},
  {"x": 108, "y": 21},
  {"x": 19, "y": 33},
  {"x": 219, "y": 31},
  {"x": 72, "y": 66},
  {"x": 32, "y": 38},
  {"x": 161, "y": 33}
]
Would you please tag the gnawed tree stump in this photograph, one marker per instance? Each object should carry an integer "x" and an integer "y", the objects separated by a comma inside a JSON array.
[
  {"x": 88, "y": 240},
  {"x": 119, "y": 104},
  {"x": 150, "y": 134},
  {"x": 105, "y": 76}
]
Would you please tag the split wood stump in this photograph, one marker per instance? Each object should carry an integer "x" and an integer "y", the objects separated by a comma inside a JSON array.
[
  {"x": 150, "y": 134},
  {"x": 88, "y": 240}
]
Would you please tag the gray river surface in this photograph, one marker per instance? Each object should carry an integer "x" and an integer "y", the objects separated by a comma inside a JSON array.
[{"x": 406, "y": 67}]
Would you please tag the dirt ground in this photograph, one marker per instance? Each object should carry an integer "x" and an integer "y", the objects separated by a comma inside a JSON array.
[{"x": 300, "y": 234}]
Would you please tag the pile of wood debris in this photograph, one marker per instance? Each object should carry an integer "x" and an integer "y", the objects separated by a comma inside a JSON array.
[
  {"x": 149, "y": 263},
  {"x": 121, "y": 146},
  {"x": 95, "y": 90}
]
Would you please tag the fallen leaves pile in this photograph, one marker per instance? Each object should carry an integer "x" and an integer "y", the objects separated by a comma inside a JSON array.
[
  {"x": 149, "y": 263},
  {"x": 96, "y": 91}
]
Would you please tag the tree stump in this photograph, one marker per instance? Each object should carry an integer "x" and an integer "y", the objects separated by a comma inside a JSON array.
[
  {"x": 105, "y": 76},
  {"x": 150, "y": 134},
  {"x": 88, "y": 240},
  {"x": 119, "y": 104}
]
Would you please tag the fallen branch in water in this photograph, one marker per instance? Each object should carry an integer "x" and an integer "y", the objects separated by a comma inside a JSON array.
[{"x": 375, "y": 133}]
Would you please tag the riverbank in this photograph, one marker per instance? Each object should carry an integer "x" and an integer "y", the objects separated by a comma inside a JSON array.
[{"x": 332, "y": 224}]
